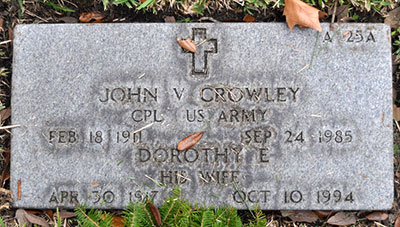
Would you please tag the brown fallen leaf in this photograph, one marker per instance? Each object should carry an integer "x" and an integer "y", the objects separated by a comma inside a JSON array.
[
  {"x": 187, "y": 44},
  {"x": 68, "y": 19},
  {"x": 25, "y": 218},
  {"x": 21, "y": 219},
  {"x": 118, "y": 221},
  {"x": 341, "y": 12},
  {"x": 169, "y": 19},
  {"x": 342, "y": 219},
  {"x": 322, "y": 213},
  {"x": 1, "y": 24},
  {"x": 377, "y": 216},
  {"x": 5, "y": 113},
  {"x": 155, "y": 213},
  {"x": 89, "y": 16},
  {"x": 189, "y": 141},
  {"x": 300, "y": 216},
  {"x": 298, "y": 12},
  {"x": 34, "y": 211},
  {"x": 347, "y": 20},
  {"x": 249, "y": 18},
  {"x": 36, "y": 219},
  {"x": 5, "y": 174},
  {"x": 66, "y": 214},
  {"x": 393, "y": 18},
  {"x": 396, "y": 112},
  {"x": 49, "y": 213},
  {"x": 397, "y": 222}
]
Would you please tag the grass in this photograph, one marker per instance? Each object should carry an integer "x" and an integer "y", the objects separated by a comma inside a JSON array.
[{"x": 199, "y": 7}]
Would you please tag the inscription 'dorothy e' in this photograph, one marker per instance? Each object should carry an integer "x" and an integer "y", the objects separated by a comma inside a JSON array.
[{"x": 291, "y": 120}]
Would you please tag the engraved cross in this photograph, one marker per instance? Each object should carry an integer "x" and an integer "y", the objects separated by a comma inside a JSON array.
[{"x": 205, "y": 46}]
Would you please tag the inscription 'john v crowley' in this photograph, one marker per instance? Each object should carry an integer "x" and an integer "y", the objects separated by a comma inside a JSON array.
[{"x": 206, "y": 94}]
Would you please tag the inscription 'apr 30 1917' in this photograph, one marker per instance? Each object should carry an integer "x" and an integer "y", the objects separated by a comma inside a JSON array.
[{"x": 103, "y": 107}]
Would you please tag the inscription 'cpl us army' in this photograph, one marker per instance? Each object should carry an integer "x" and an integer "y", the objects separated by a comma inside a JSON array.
[{"x": 207, "y": 94}]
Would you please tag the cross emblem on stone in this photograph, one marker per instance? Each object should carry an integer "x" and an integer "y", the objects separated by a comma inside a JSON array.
[{"x": 205, "y": 46}]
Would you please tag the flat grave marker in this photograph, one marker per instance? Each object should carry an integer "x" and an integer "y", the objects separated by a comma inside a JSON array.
[{"x": 291, "y": 120}]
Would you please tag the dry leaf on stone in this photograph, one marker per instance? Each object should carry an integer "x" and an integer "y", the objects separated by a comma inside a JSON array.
[
  {"x": 188, "y": 44},
  {"x": 25, "y": 218},
  {"x": 377, "y": 216},
  {"x": 19, "y": 189},
  {"x": 393, "y": 18},
  {"x": 90, "y": 16},
  {"x": 342, "y": 219},
  {"x": 189, "y": 141},
  {"x": 249, "y": 18},
  {"x": 300, "y": 216},
  {"x": 298, "y": 12},
  {"x": 155, "y": 213}
]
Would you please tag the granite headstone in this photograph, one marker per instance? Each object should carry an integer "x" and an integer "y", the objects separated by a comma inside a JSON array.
[{"x": 291, "y": 120}]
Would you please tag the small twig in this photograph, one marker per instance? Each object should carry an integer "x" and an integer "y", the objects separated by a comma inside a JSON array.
[
  {"x": 34, "y": 15},
  {"x": 305, "y": 66},
  {"x": 144, "y": 127},
  {"x": 210, "y": 19},
  {"x": 397, "y": 125},
  {"x": 5, "y": 42},
  {"x": 156, "y": 182},
  {"x": 181, "y": 176},
  {"x": 9, "y": 126},
  {"x": 141, "y": 75},
  {"x": 314, "y": 50},
  {"x": 202, "y": 42},
  {"x": 243, "y": 199},
  {"x": 334, "y": 13}
]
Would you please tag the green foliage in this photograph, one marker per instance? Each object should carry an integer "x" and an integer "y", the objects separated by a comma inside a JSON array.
[
  {"x": 249, "y": 6},
  {"x": 145, "y": 4},
  {"x": 21, "y": 8},
  {"x": 396, "y": 40},
  {"x": 175, "y": 212},
  {"x": 58, "y": 218},
  {"x": 2, "y": 223},
  {"x": 259, "y": 221},
  {"x": 93, "y": 218},
  {"x": 134, "y": 215},
  {"x": 57, "y": 7}
]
